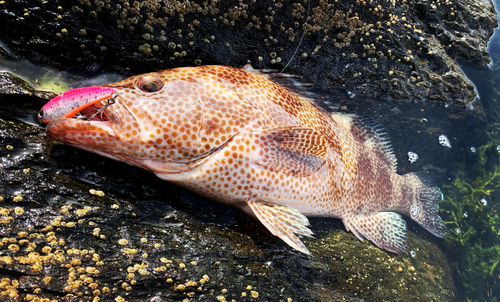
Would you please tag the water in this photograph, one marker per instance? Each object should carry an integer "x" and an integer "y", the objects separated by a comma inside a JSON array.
[
  {"x": 472, "y": 197},
  {"x": 51, "y": 79}
]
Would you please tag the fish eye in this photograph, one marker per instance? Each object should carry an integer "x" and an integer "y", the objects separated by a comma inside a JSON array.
[{"x": 150, "y": 84}]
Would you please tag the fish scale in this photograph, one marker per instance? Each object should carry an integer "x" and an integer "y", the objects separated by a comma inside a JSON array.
[{"x": 236, "y": 136}]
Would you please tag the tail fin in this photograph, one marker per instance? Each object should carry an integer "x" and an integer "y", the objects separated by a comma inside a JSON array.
[{"x": 424, "y": 208}]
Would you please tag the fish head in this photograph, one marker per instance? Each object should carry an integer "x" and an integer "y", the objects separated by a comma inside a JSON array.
[{"x": 165, "y": 122}]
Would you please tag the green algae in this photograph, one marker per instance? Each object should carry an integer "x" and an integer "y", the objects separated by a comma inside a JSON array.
[
  {"x": 471, "y": 214},
  {"x": 495, "y": 80},
  {"x": 35, "y": 78}
]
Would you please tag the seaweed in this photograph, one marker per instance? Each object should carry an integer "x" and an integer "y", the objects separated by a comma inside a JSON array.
[
  {"x": 471, "y": 214},
  {"x": 471, "y": 207}
]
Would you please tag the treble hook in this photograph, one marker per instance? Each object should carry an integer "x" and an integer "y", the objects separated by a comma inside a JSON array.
[{"x": 109, "y": 102}]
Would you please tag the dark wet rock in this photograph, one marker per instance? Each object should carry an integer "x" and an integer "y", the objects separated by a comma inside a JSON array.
[
  {"x": 403, "y": 50},
  {"x": 76, "y": 227},
  {"x": 13, "y": 86}
]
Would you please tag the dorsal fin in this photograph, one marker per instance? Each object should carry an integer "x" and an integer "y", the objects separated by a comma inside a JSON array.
[
  {"x": 377, "y": 133},
  {"x": 287, "y": 80},
  {"x": 293, "y": 83},
  {"x": 373, "y": 133}
]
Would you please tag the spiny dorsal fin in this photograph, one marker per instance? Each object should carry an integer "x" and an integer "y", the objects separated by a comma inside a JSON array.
[
  {"x": 287, "y": 80},
  {"x": 375, "y": 134},
  {"x": 295, "y": 151},
  {"x": 283, "y": 222}
]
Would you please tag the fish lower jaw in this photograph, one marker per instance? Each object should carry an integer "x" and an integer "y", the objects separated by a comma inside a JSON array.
[
  {"x": 79, "y": 131},
  {"x": 93, "y": 150}
]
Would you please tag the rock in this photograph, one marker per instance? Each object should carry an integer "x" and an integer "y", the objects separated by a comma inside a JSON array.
[
  {"x": 404, "y": 50},
  {"x": 78, "y": 227},
  {"x": 17, "y": 87}
]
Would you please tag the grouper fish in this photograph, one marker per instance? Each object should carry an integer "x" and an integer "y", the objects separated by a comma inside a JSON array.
[{"x": 236, "y": 136}]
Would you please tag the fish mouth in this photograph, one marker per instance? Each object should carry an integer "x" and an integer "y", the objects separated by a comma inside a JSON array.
[
  {"x": 99, "y": 112},
  {"x": 95, "y": 128},
  {"x": 91, "y": 121}
]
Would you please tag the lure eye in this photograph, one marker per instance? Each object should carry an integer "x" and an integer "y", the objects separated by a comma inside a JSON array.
[
  {"x": 40, "y": 115},
  {"x": 150, "y": 84}
]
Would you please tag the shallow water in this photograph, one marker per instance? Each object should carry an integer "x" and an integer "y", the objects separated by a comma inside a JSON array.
[{"x": 472, "y": 190}]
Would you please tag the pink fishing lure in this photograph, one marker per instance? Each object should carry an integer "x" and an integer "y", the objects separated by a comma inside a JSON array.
[{"x": 73, "y": 101}]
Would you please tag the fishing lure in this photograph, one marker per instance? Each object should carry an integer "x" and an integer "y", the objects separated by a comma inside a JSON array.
[{"x": 73, "y": 101}]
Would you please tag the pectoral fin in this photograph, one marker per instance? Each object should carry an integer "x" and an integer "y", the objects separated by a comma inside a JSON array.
[
  {"x": 387, "y": 230},
  {"x": 296, "y": 151},
  {"x": 283, "y": 222}
]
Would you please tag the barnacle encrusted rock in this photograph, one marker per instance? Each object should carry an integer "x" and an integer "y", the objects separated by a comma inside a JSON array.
[{"x": 399, "y": 49}]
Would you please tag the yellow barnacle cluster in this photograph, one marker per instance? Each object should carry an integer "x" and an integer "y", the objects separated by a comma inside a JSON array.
[
  {"x": 5, "y": 218},
  {"x": 82, "y": 267},
  {"x": 8, "y": 288}
]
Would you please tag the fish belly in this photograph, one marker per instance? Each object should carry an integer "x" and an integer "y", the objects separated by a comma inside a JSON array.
[{"x": 234, "y": 175}]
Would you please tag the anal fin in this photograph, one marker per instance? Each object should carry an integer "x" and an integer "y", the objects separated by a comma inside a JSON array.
[
  {"x": 284, "y": 222},
  {"x": 387, "y": 230}
]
